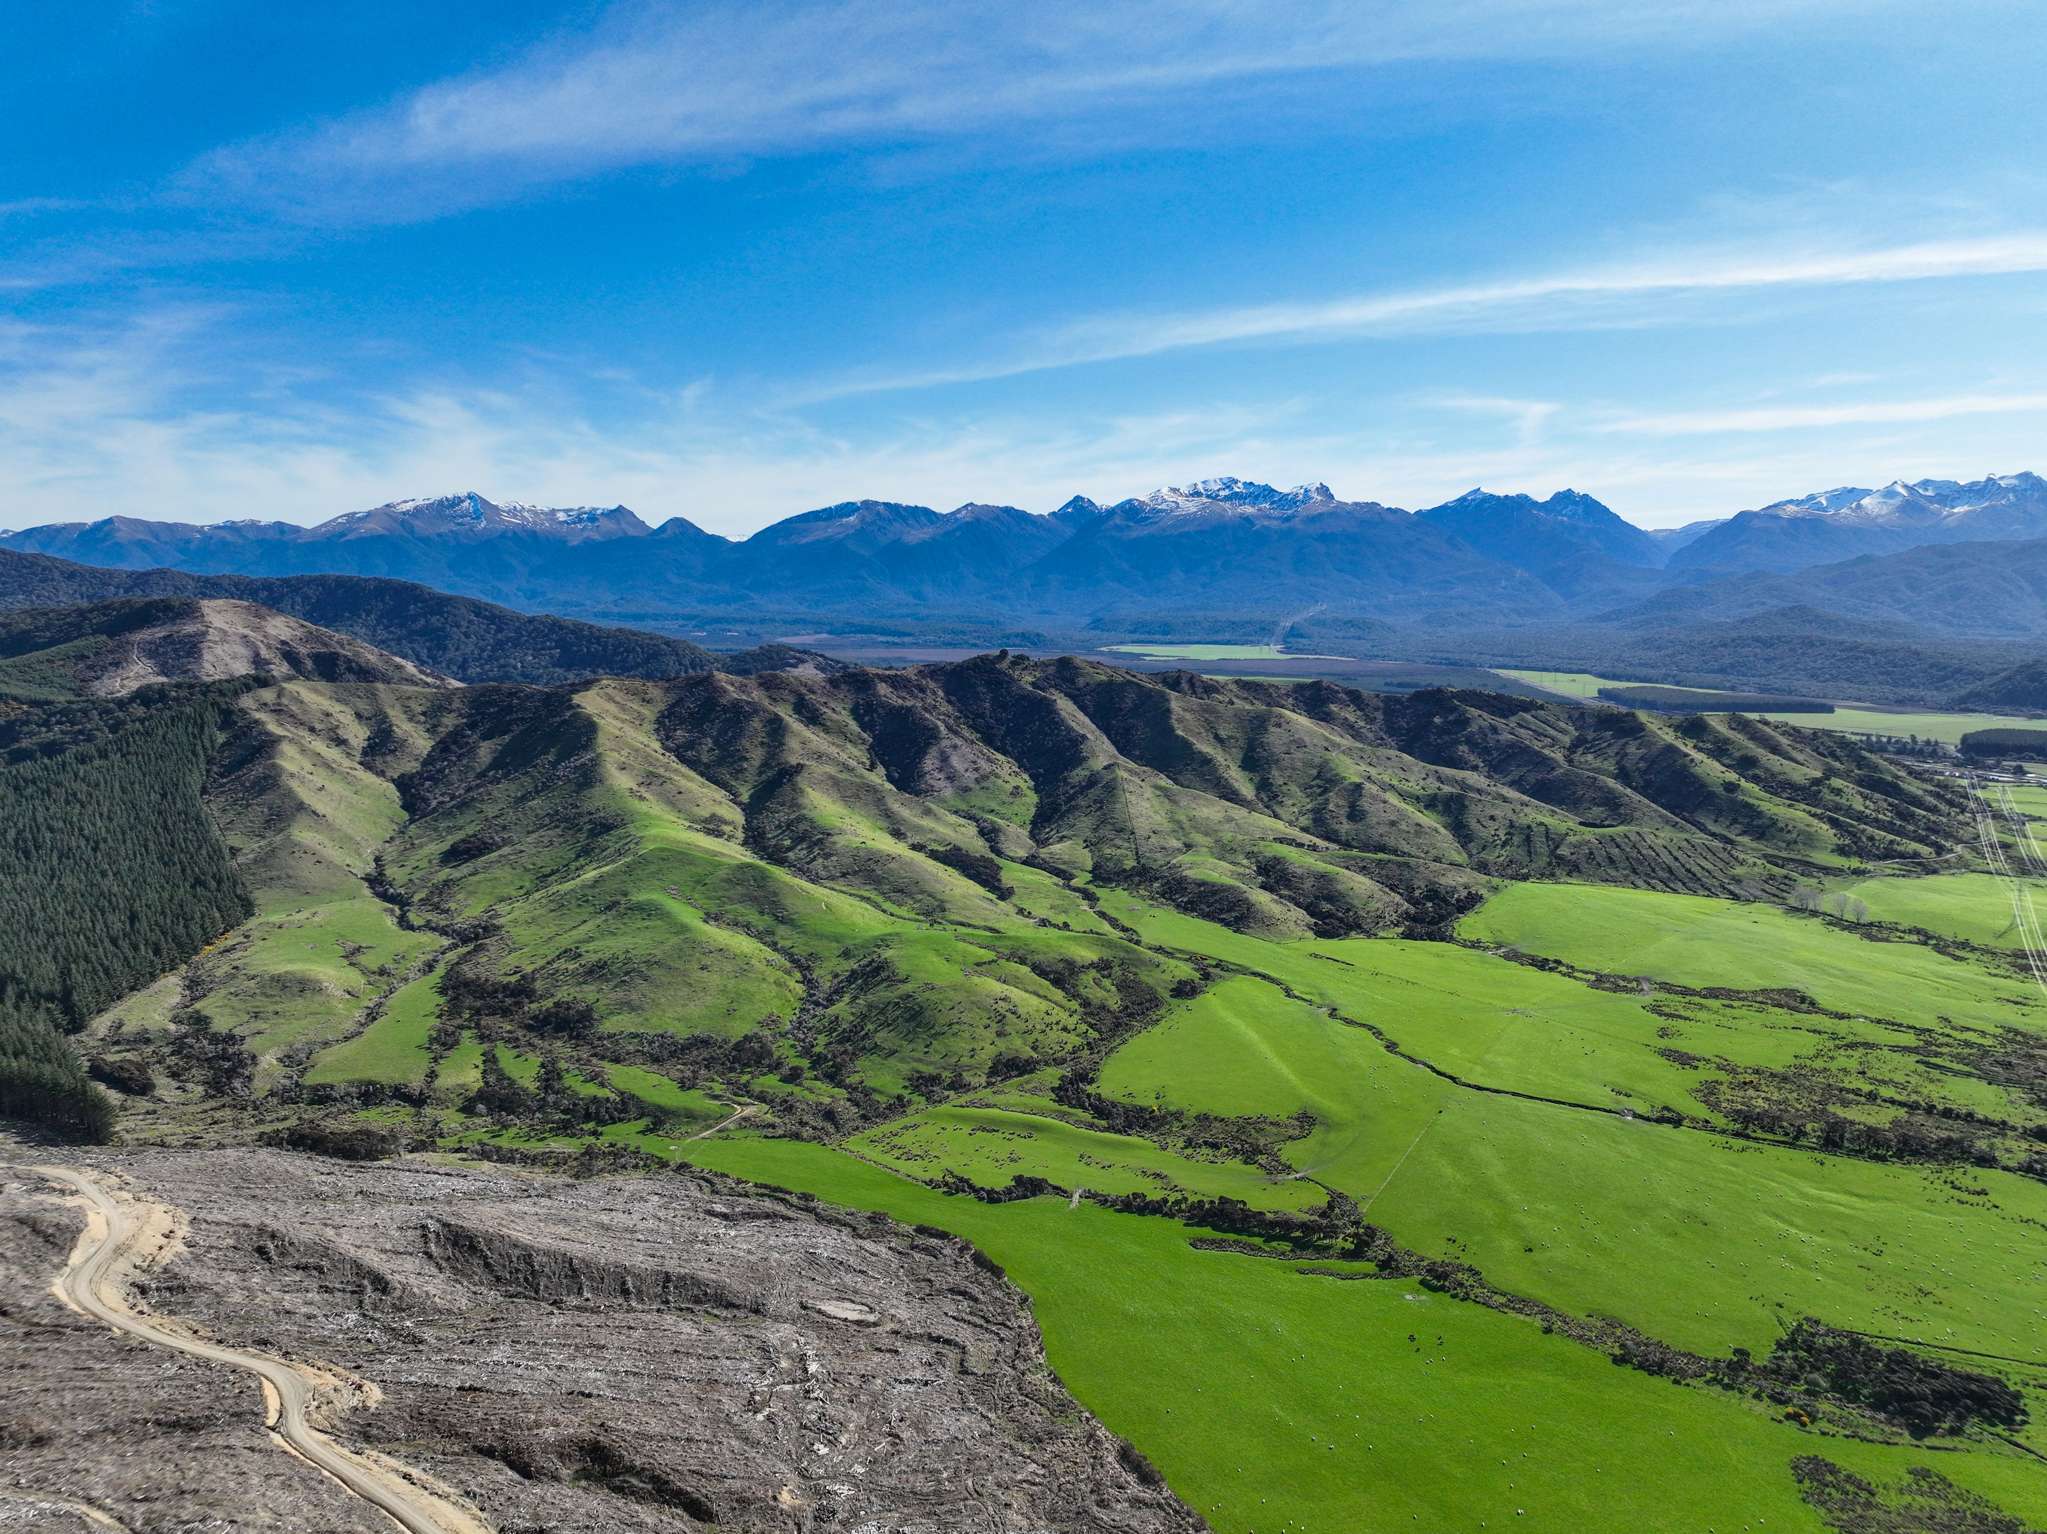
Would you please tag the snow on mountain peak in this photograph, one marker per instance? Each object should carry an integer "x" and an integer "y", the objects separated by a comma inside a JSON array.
[
  {"x": 469, "y": 511},
  {"x": 1228, "y": 490}
]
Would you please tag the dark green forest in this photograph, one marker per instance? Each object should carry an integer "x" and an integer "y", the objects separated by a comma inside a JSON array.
[
  {"x": 2029, "y": 743},
  {"x": 1687, "y": 700},
  {"x": 111, "y": 873}
]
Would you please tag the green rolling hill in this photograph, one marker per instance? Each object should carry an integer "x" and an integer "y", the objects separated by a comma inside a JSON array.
[{"x": 1348, "y": 1079}]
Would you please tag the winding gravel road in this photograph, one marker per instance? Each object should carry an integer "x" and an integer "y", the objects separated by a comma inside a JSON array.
[{"x": 94, "y": 1282}]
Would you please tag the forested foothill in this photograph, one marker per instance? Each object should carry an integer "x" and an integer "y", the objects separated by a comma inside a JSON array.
[{"x": 112, "y": 872}]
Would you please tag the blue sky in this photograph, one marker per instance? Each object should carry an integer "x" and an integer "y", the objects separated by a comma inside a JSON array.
[{"x": 729, "y": 261}]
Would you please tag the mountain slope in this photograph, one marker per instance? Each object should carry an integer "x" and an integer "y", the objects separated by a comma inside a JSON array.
[
  {"x": 457, "y": 636},
  {"x": 2023, "y": 689},
  {"x": 1570, "y": 541},
  {"x": 1834, "y": 525},
  {"x": 1222, "y": 549},
  {"x": 112, "y": 648},
  {"x": 1990, "y": 590},
  {"x": 1270, "y": 554},
  {"x": 1796, "y": 649}
]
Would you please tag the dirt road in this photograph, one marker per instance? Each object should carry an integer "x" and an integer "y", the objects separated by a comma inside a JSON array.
[
  {"x": 94, "y": 1282},
  {"x": 726, "y": 1123}
]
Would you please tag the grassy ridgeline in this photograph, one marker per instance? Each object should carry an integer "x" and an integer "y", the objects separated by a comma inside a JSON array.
[{"x": 111, "y": 873}]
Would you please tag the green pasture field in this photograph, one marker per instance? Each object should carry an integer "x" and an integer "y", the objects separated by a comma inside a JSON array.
[
  {"x": 1202, "y": 651},
  {"x": 1514, "y": 1027},
  {"x": 1573, "y": 684},
  {"x": 1972, "y": 906},
  {"x": 393, "y": 1049},
  {"x": 1849, "y": 718},
  {"x": 2031, "y": 800},
  {"x": 1438, "y": 1164},
  {"x": 292, "y": 979},
  {"x": 1948, "y": 728},
  {"x": 1694, "y": 940},
  {"x": 460, "y": 1071},
  {"x": 1275, "y": 1398},
  {"x": 658, "y": 1091},
  {"x": 524, "y": 1067},
  {"x": 1702, "y": 1240},
  {"x": 990, "y": 1146}
]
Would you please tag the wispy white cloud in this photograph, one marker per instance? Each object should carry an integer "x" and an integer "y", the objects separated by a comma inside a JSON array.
[
  {"x": 165, "y": 414},
  {"x": 30, "y": 207},
  {"x": 658, "y": 84},
  {"x": 1637, "y": 294},
  {"x": 155, "y": 415},
  {"x": 1695, "y": 423}
]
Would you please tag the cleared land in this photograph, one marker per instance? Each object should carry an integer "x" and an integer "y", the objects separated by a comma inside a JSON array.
[{"x": 508, "y": 1352}]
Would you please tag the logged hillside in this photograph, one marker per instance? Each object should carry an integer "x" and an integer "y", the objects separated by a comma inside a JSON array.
[
  {"x": 111, "y": 648},
  {"x": 844, "y": 889}
]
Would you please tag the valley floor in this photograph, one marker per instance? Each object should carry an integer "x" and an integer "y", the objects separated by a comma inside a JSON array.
[{"x": 1508, "y": 1129}]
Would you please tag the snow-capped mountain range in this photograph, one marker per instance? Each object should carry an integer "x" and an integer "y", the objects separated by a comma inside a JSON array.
[
  {"x": 1923, "y": 503},
  {"x": 1839, "y": 523},
  {"x": 1211, "y": 545},
  {"x": 1228, "y": 490},
  {"x": 470, "y": 512}
]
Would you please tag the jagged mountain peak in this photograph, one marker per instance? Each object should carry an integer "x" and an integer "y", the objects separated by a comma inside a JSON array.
[
  {"x": 1903, "y": 500},
  {"x": 1221, "y": 543},
  {"x": 1838, "y": 524},
  {"x": 985, "y": 511},
  {"x": 1560, "y": 503},
  {"x": 1228, "y": 490},
  {"x": 1551, "y": 537},
  {"x": 468, "y": 511},
  {"x": 1896, "y": 503}
]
